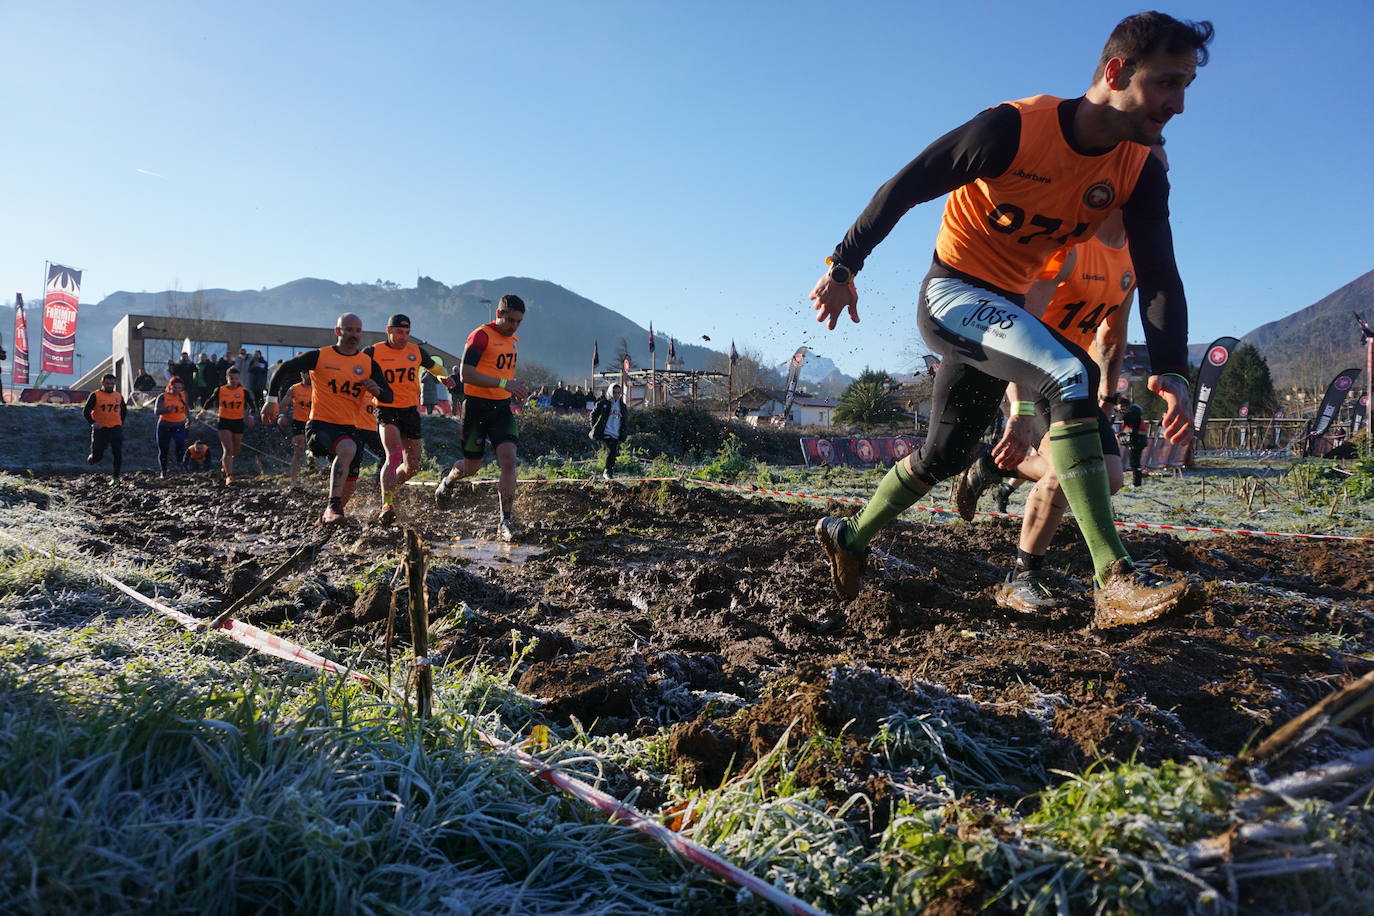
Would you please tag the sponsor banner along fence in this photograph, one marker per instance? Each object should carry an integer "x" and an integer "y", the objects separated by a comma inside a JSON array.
[
  {"x": 20, "y": 375},
  {"x": 857, "y": 452}
]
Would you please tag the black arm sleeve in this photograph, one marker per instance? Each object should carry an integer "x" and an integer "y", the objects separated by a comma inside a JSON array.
[
  {"x": 211, "y": 400},
  {"x": 89, "y": 410},
  {"x": 289, "y": 372},
  {"x": 379, "y": 376},
  {"x": 123, "y": 410},
  {"x": 1163, "y": 308},
  {"x": 251, "y": 400},
  {"x": 984, "y": 147}
]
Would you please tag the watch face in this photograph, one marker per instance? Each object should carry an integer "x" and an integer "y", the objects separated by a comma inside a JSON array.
[{"x": 839, "y": 273}]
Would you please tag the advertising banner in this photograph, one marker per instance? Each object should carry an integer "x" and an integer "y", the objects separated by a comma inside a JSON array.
[
  {"x": 21, "y": 344},
  {"x": 60, "y": 298},
  {"x": 857, "y": 452},
  {"x": 1335, "y": 396},
  {"x": 1216, "y": 357}
]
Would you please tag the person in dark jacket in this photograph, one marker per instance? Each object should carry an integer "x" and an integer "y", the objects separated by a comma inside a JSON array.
[{"x": 610, "y": 425}]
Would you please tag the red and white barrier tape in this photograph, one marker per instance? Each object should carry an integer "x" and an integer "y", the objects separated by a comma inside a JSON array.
[
  {"x": 618, "y": 811},
  {"x": 1151, "y": 525}
]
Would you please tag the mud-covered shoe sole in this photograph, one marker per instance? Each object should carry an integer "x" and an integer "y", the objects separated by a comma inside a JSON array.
[
  {"x": 1008, "y": 597},
  {"x": 846, "y": 569},
  {"x": 965, "y": 496},
  {"x": 1113, "y": 609}
]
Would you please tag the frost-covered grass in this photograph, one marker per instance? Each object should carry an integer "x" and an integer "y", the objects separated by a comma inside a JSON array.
[{"x": 144, "y": 768}]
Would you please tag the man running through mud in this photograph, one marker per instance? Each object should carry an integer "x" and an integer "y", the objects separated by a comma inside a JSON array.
[
  {"x": 236, "y": 406},
  {"x": 298, "y": 402},
  {"x": 338, "y": 377},
  {"x": 105, "y": 410},
  {"x": 1090, "y": 288},
  {"x": 489, "y": 383},
  {"x": 402, "y": 362},
  {"x": 1025, "y": 179},
  {"x": 170, "y": 408}
]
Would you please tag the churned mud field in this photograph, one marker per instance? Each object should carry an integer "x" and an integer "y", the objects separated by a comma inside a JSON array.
[
  {"x": 702, "y": 622},
  {"x": 637, "y": 593}
]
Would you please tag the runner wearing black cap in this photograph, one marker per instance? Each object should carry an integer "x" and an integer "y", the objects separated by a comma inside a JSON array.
[{"x": 402, "y": 362}]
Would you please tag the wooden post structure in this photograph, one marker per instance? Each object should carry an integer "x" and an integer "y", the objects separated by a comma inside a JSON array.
[{"x": 423, "y": 677}]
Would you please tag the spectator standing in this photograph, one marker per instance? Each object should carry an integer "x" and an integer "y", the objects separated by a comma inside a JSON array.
[
  {"x": 610, "y": 425},
  {"x": 257, "y": 373}
]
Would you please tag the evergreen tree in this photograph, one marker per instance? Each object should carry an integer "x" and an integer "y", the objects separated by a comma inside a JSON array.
[
  {"x": 869, "y": 401},
  {"x": 1244, "y": 380}
]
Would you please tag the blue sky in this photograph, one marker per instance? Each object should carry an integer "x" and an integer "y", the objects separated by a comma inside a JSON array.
[{"x": 689, "y": 164}]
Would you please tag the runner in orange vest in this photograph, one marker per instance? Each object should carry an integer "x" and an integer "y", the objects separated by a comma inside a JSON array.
[
  {"x": 338, "y": 377},
  {"x": 1024, "y": 179},
  {"x": 105, "y": 410},
  {"x": 298, "y": 402},
  {"x": 170, "y": 408},
  {"x": 236, "y": 406},
  {"x": 489, "y": 383},
  {"x": 402, "y": 362}
]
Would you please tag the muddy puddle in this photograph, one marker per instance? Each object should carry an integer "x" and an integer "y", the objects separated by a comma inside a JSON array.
[{"x": 654, "y": 605}]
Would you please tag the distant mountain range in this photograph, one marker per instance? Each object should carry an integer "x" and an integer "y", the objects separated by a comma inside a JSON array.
[
  {"x": 559, "y": 333},
  {"x": 1304, "y": 349},
  {"x": 1309, "y": 347}
]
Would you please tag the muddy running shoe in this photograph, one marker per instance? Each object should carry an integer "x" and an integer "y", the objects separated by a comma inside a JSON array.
[
  {"x": 969, "y": 486},
  {"x": 1026, "y": 591},
  {"x": 508, "y": 531},
  {"x": 1134, "y": 595},
  {"x": 1003, "y": 496},
  {"x": 386, "y": 516},
  {"x": 229, "y": 481},
  {"x": 445, "y": 490},
  {"x": 846, "y": 567},
  {"x": 333, "y": 516}
]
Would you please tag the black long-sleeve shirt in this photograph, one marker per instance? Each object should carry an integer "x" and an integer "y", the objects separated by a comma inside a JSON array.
[
  {"x": 985, "y": 147},
  {"x": 289, "y": 372},
  {"x": 250, "y": 400},
  {"x": 88, "y": 411}
]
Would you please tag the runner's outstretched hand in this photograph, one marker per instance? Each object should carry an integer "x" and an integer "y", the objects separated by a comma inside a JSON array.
[
  {"x": 1011, "y": 449},
  {"x": 1177, "y": 425},
  {"x": 832, "y": 298}
]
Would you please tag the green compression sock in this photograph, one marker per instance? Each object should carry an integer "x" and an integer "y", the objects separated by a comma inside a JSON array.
[
  {"x": 1076, "y": 453},
  {"x": 897, "y": 493}
]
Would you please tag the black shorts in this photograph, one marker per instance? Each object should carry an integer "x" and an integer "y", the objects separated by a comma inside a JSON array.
[
  {"x": 322, "y": 437},
  {"x": 1040, "y": 425},
  {"x": 487, "y": 419},
  {"x": 406, "y": 419},
  {"x": 369, "y": 440},
  {"x": 298, "y": 427},
  {"x": 233, "y": 426}
]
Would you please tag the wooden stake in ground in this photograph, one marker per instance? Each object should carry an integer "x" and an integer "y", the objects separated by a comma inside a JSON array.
[
  {"x": 419, "y": 622},
  {"x": 1340, "y": 706},
  {"x": 301, "y": 558}
]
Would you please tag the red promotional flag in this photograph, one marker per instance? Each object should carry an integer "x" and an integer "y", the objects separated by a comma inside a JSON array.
[
  {"x": 59, "y": 318},
  {"x": 625, "y": 377},
  {"x": 21, "y": 343}
]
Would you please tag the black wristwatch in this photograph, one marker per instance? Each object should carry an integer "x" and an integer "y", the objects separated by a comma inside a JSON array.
[{"x": 838, "y": 273}]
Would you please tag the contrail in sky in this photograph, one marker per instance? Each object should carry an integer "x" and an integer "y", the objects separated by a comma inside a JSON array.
[{"x": 146, "y": 172}]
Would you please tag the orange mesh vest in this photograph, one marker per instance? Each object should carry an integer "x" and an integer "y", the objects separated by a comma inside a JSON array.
[
  {"x": 337, "y": 384},
  {"x": 300, "y": 402},
  {"x": 1102, "y": 279},
  {"x": 402, "y": 368},
  {"x": 106, "y": 411},
  {"x": 1001, "y": 230},
  {"x": 199, "y": 451},
  {"x": 230, "y": 404},
  {"x": 178, "y": 404},
  {"x": 365, "y": 413},
  {"x": 498, "y": 361}
]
